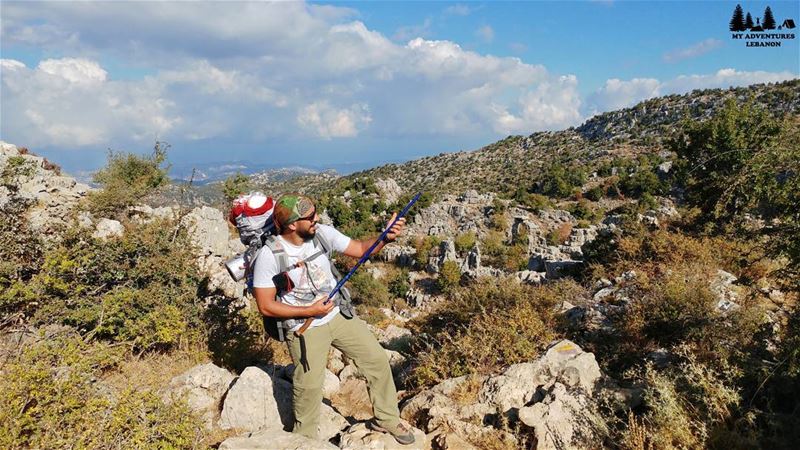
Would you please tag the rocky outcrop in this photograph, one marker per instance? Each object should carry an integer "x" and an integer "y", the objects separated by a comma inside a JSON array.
[
  {"x": 209, "y": 234},
  {"x": 554, "y": 395},
  {"x": 32, "y": 178},
  {"x": 203, "y": 387}
]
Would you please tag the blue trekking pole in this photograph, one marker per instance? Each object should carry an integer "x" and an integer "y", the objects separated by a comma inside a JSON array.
[{"x": 363, "y": 259}]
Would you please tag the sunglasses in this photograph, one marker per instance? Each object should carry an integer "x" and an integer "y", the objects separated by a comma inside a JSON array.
[{"x": 310, "y": 217}]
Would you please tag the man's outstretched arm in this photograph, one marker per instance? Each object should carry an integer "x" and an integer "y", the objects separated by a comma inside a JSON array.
[{"x": 356, "y": 249}]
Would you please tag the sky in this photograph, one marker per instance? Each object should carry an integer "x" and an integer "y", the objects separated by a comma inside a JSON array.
[{"x": 351, "y": 84}]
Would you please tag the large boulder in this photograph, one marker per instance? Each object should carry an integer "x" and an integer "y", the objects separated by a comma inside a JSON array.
[
  {"x": 208, "y": 231},
  {"x": 563, "y": 419},
  {"x": 203, "y": 387},
  {"x": 257, "y": 401},
  {"x": 564, "y": 361},
  {"x": 274, "y": 439}
]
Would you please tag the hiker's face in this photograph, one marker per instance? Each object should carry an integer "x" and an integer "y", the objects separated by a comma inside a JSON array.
[{"x": 307, "y": 226}]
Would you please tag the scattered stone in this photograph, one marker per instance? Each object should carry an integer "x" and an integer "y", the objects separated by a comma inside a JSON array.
[{"x": 107, "y": 228}]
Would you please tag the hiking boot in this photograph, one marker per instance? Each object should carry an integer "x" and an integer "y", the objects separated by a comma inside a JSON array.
[{"x": 400, "y": 432}]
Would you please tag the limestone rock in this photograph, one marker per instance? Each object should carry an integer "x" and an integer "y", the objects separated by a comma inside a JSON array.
[
  {"x": 330, "y": 385},
  {"x": 203, "y": 387},
  {"x": 331, "y": 422},
  {"x": 389, "y": 189},
  {"x": 352, "y": 400},
  {"x": 563, "y": 419},
  {"x": 107, "y": 228},
  {"x": 208, "y": 231},
  {"x": 256, "y": 401},
  {"x": 274, "y": 439},
  {"x": 564, "y": 361},
  {"x": 359, "y": 437}
]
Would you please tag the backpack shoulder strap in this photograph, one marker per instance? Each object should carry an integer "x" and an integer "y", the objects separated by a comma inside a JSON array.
[{"x": 278, "y": 251}]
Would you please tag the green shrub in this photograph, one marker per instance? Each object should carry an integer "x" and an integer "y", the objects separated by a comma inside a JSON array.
[
  {"x": 369, "y": 291},
  {"x": 449, "y": 276},
  {"x": 536, "y": 202},
  {"x": 558, "y": 180},
  {"x": 140, "y": 289},
  {"x": 51, "y": 399},
  {"x": 465, "y": 242},
  {"x": 399, "y": 285},
  {"x": 235, "y": 185},
  {"x": 583, "y": 210},
  {"x": 595, "y": 194},
  {"x": 128, "y": 178},
  {"x": 424, "y": 246}
]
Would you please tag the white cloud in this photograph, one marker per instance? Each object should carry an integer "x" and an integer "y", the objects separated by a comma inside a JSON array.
[
  {"x": 486, "y": 33},
  {"x": 693, "y": 51},
  {"x": 328, "y": 122},
  {"x": 724, "y": 78},
  {"x": 458, "y": 9},
  {"x": 71, "y": 103},
  {"x": 76, "y": 70},
  {"x": 617, "y": 94}
]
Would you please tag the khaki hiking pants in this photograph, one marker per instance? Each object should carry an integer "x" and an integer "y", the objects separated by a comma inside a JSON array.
[{"x": 355, "y": 340}]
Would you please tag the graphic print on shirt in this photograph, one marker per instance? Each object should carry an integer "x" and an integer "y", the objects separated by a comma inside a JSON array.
[{"x": 310, "y": 282}]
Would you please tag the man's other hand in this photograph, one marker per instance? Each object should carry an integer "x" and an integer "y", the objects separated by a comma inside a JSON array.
[{"x": 319, "y": 308}]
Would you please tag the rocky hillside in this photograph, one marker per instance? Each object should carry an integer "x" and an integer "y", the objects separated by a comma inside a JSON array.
[{"x": 517, "y": 160}]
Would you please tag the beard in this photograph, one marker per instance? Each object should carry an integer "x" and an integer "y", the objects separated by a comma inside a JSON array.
[{"x": 307, "y": 234}]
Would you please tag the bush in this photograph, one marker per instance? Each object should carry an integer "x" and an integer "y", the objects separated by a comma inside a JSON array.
[
  {"x": 583, "y": 210},
  {"x": 235, "y": 185},
  {"x": 368, "y": 291},
  {"x": 139, "y": 289},
  {"x": 465, "y": 242},
  {"x": 51, "y": 399},
  {"x": 487, "y": 325},
  {"x": 449, "y": 276},
  {"x": 424, "y": 247},
  {"x": 595, "y": 194},
  {"x": 127, "y": 179},
  {"x": 560, "y": 235},
  {"x": 558, "y": 180},
  {"x": 399, "y": 285}
]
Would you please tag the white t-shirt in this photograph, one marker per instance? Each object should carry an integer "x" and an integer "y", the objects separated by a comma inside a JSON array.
[{"x": 310, "y": 280}]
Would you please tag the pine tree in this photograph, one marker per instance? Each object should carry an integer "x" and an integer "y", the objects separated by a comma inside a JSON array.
[
  {"x": 748, "y": 22},
  {"x": 769, "y": 21},
  {"x": 737, "y": 21}
]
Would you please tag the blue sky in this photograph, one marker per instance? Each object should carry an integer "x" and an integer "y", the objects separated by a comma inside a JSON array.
[{"x": 359, "y": 83}]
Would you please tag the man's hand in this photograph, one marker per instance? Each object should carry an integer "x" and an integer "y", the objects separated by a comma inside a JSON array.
[
  {"x": 319, "y": 308},
  {"x": 396, "y": 230}
]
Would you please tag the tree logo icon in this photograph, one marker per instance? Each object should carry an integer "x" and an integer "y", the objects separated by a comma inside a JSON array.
[{"x": 741, "y": 22}]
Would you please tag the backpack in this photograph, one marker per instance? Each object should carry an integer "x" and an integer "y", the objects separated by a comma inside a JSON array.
[{"x": 252, "y": 215}]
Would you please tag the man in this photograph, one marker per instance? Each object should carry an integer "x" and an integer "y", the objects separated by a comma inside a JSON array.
[{"x": 296, "y": 219}]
